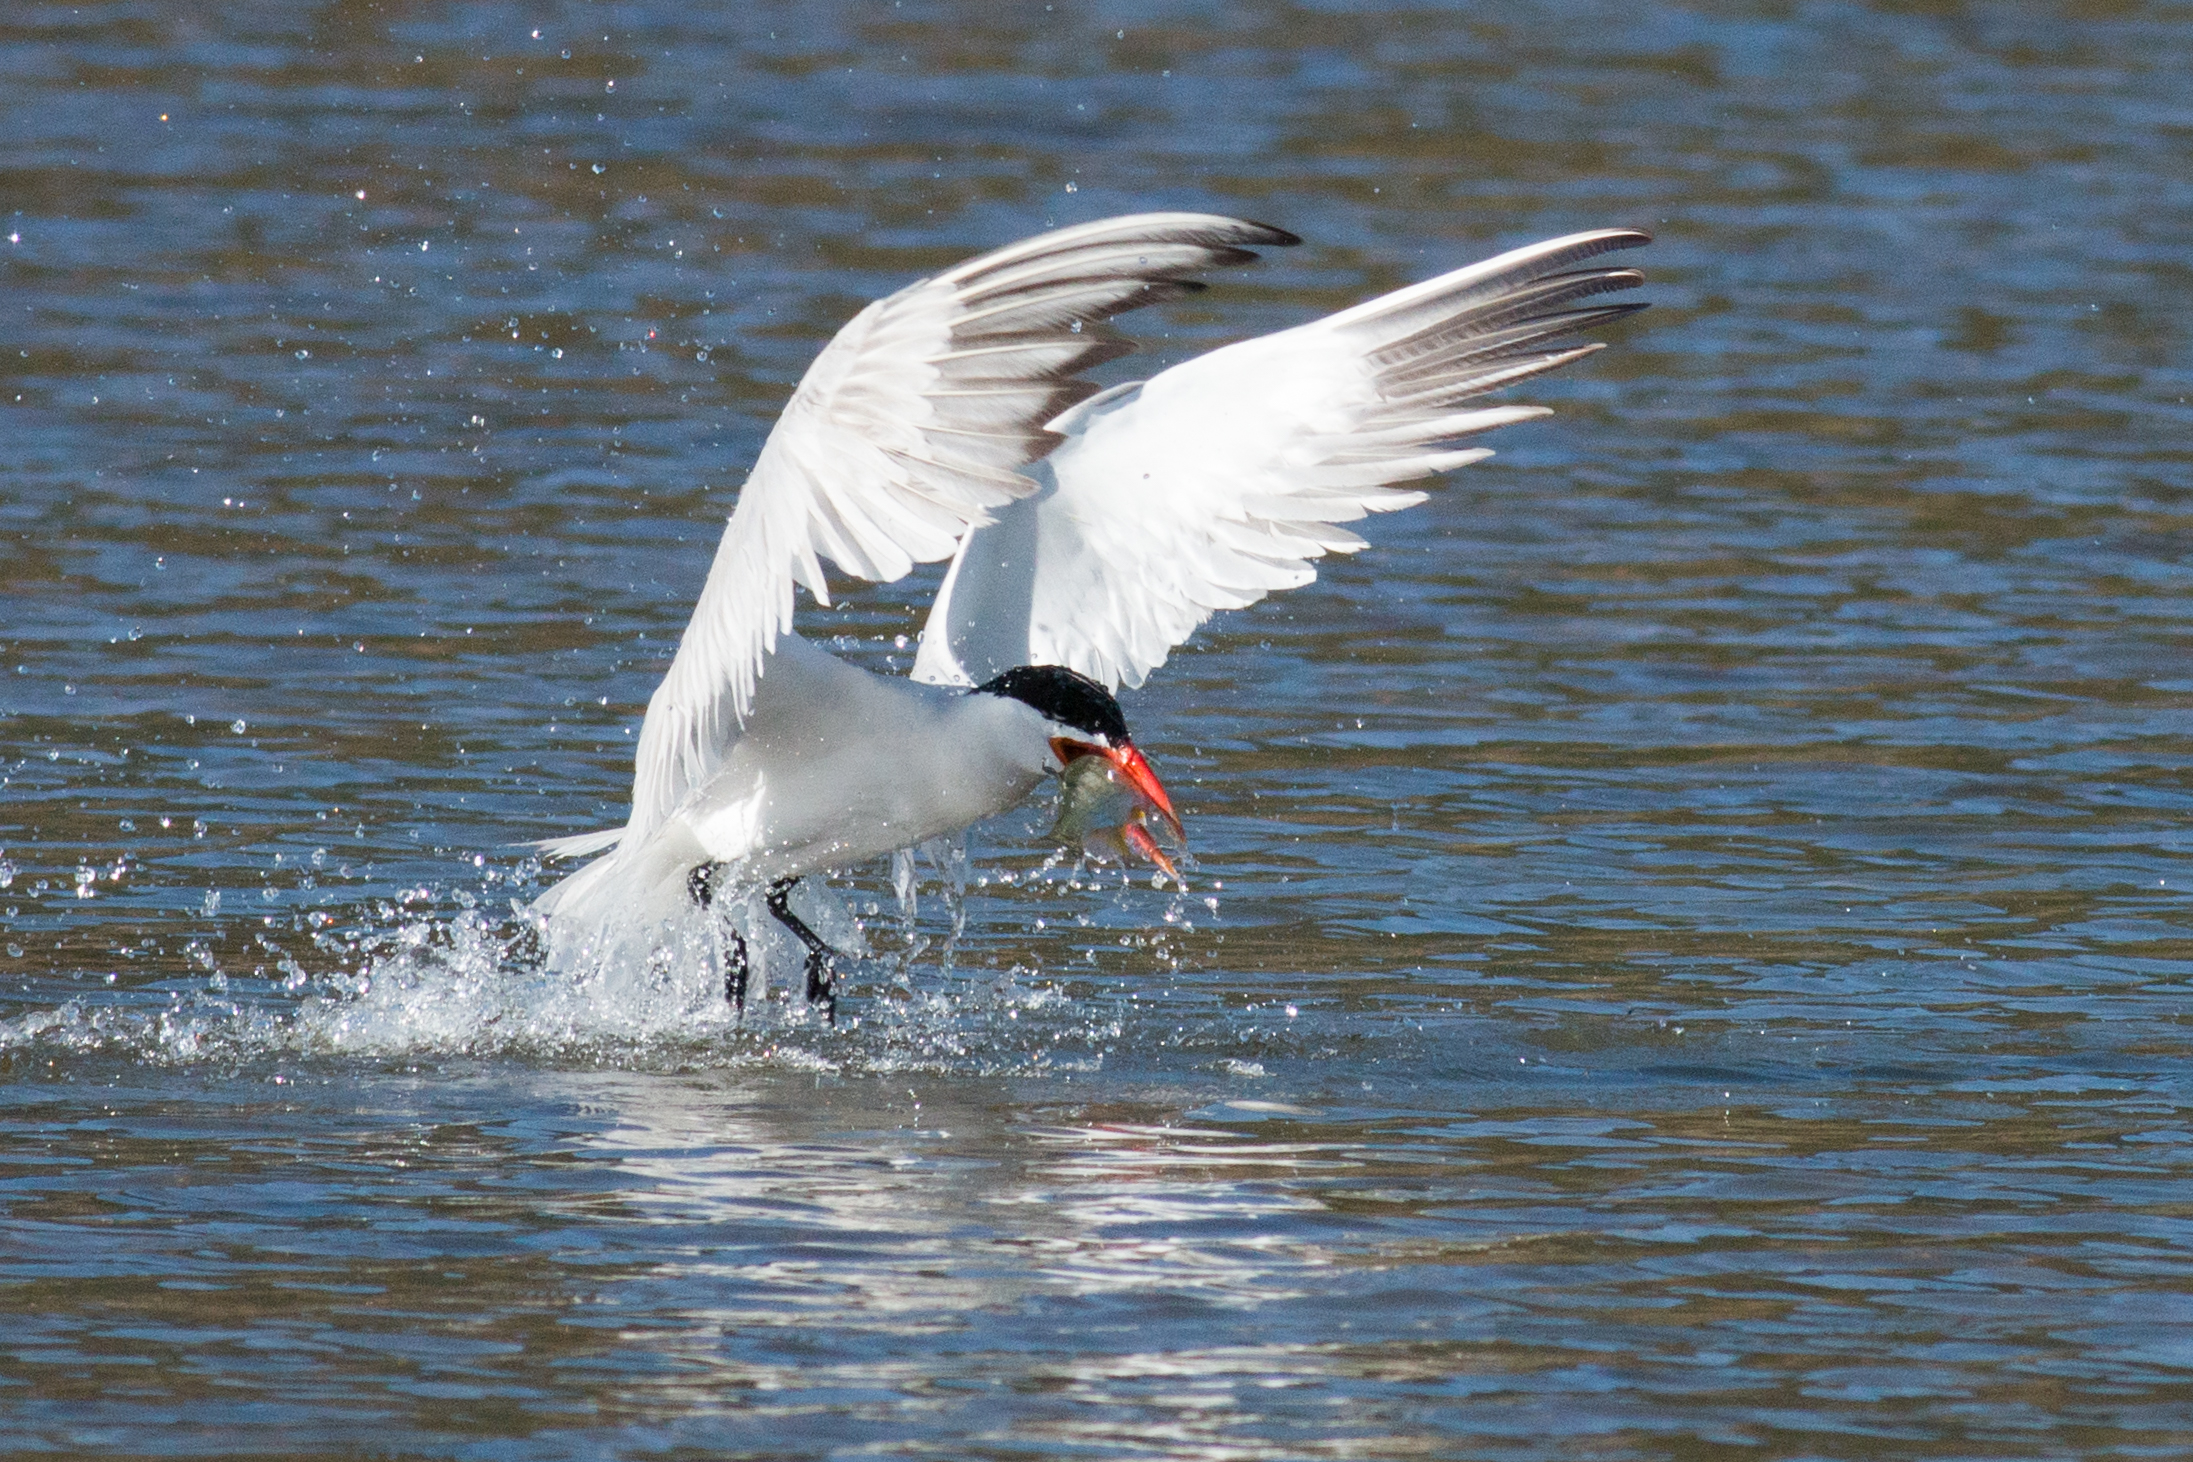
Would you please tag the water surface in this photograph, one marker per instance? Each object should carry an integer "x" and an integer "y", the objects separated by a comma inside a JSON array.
[{"x": 1689, "y": 952}]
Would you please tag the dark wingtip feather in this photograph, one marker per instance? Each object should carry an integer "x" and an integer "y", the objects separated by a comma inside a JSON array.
[
  {"x": 1224, "y": 256},
  {"x": 1625, "y": 238},
  {"x": 1104, "y": 349},
  {"x": 1269, "y": 235}
]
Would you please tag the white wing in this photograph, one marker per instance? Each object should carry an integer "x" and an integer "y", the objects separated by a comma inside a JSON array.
[
  {"x": 1220, "y": 480},
  {"x": 909, "y": 428}
]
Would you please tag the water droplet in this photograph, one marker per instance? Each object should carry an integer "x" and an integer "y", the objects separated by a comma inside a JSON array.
[{"x": 237, "y": 725}]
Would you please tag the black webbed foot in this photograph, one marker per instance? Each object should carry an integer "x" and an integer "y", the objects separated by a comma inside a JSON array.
[
  {"x": 700, "y": 887},
  {"x": 822, "y": 975},
  {"x": 736, "y": 972}
]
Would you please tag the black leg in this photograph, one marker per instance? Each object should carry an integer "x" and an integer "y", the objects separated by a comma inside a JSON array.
[
  {"x": 735, "y": 975},
  {"x": 700, "y": 886},
  {"x": 822, "y": 977}
]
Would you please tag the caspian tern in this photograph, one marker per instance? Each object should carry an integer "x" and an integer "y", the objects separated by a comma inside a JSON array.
[{"x": 1089, "y": 531}]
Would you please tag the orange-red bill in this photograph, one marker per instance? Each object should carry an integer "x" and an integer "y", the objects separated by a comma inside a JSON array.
[
  {"x": 1138, "y": 837},
  {"x": 1143, "y": 780}
]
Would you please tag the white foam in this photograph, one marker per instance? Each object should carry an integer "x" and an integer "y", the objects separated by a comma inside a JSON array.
[{"x": 464, "y": 984}]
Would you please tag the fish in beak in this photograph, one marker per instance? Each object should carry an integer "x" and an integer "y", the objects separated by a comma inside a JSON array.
[{"x": 1108, "y": 797}]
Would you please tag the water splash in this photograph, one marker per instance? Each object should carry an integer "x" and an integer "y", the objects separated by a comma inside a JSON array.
[
  {"x": 949, "y": 857},
  {"x": 444, "y": 974},
  {"x": 906, "y": 884}
]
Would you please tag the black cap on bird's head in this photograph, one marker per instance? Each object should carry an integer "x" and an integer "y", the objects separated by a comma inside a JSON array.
[
  {"x": 1064, "y": 696},
  {"x": 1070, "y": 699}
]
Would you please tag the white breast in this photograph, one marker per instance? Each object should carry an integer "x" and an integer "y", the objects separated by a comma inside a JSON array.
[{"x": 836, "y": 765}]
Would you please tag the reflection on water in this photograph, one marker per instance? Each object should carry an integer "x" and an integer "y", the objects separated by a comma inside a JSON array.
[{"x": 1688, "y": 949}]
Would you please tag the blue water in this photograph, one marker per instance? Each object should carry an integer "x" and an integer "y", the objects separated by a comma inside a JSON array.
[{"x": 1688, "y": 953}]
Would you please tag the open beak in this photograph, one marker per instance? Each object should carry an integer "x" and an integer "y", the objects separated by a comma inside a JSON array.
[
  {"x": 1143, "y": 780},
  {"x": 1138, "y": 837},
  {"x": 1138, "y": 774}
]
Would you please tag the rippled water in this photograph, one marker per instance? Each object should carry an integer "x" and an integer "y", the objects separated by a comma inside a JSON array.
[{"x": 1689, "y": 955}]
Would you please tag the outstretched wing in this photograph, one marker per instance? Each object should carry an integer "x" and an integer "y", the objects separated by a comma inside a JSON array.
[
  {"x": 1222, "y": 479},
  {"x": 908, "y": 430}
]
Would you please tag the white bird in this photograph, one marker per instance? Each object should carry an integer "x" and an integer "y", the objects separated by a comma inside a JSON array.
[{"x": 1089, "y": 531}]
